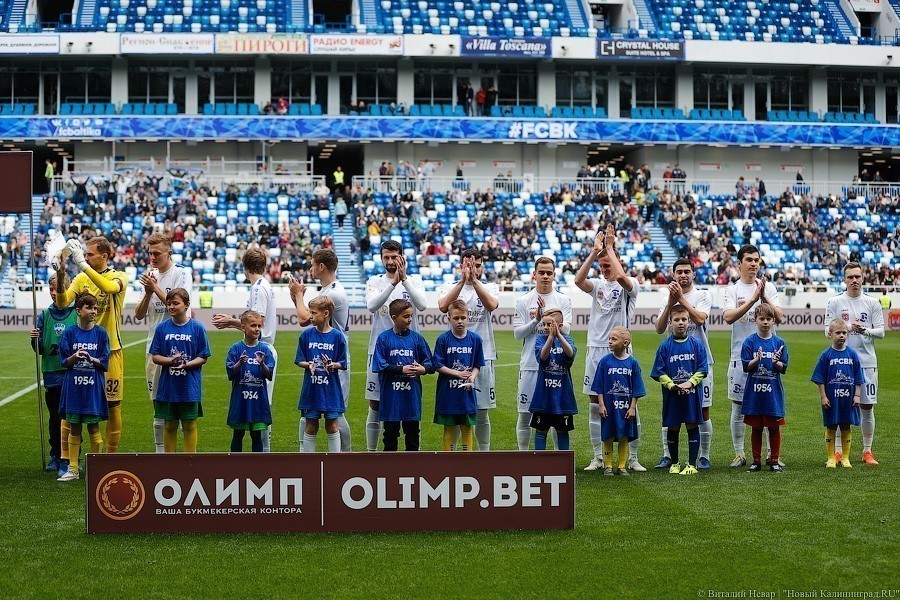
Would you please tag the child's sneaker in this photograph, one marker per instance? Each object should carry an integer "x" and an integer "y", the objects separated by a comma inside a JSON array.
[
  {"x": 868, "y": 458},
  {"x": 755, "y": 468},
  {"x": 703, "y": 463},
  {"x": 70, "y": 476},
  {"x": 689, "y": 470},
  {"x": 776, "y": 467},
  {"x": 845, "y": 462},
  {"x": 634, "y": 465},
  {"x": 63, "y": 467},
  {"x": 53, "y": 465},
  {"x": 739, "y": 461},
  {"x": 664, "y": 463},
  {"x": 675, "y": 469},
  {"x": 608, "y": 472},
  {"x": 623, "y": 472},
  {"x": 831, "y": 463}
]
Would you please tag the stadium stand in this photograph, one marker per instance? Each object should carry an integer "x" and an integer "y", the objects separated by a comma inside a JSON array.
[
  {"x": 186, "y": 16},
  {"x": 795, "y": 21},
  {"x": 473, "y": 17}
]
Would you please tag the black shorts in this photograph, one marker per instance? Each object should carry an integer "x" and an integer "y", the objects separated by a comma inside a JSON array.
[{"x": 544, "y": 421}]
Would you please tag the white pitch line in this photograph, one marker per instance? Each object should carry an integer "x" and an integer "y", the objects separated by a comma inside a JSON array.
[{"x": 33, "y": 386}]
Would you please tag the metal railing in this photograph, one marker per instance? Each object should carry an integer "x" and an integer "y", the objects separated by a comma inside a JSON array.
[{"x": 530, "y": 184}]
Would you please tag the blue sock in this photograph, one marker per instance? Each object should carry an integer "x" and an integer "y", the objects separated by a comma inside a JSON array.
[
  {"x": 562, "y": 440},
  {"x": 693, "y": 444},
  {"x": 540, "y": 440}
]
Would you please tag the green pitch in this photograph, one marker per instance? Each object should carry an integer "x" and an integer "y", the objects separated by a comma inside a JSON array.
[{"x": 653, "y": 534}]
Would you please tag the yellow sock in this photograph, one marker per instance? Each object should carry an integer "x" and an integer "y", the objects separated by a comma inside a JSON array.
[
  {"x": 114, "y": 428},
  {"x": 74, "y": 449},
  {"x": 607, "y": 452},
  {"x": 623, "y": 452},
  {"x": 465, "y": 438},
  {"x": 829, "y": 442},
  {"x": 449, "y": 434},
  {"x": 96, "y": 441},
  {"x": 170, "y": 436},
  {"x": 189, "y": 429},
  {"x": 846, "y": 437},
  {"x": 64, "y": 430}
]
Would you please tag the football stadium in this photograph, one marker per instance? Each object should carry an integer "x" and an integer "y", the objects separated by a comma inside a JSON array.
[{"x": 408, "y": 295}]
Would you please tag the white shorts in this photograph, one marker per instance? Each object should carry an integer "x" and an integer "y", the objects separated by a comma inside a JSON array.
[
  {"x": 484, "y": 386},
  {"x": 737, "y": 379},
  {"x": 591, "y": 360},
  {"x": 870, "y": 389},
  {"x": 270, "y": 384},
  {"x": 527, "y": 382},
  {"x": 153, "y": 371},
  {"x": 706, "y": 389},
  {"x": 373, "y": 394}
]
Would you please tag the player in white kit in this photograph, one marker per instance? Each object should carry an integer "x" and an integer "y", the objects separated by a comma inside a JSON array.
[
  {"x": 698, "y": 304},
  {"x": 381, "y": 290},
  {"x": 527, "y": 324},
  {"x": 739, "y": 302},
  {"x": 613, "y": 298},
  {"x": 324, "y": 268},
  {"x": 864, "y": 317},
  {"x": 481, "y": 300},
  {"x": 262, "y": 300},
  {"x": 162, "y": 277}
]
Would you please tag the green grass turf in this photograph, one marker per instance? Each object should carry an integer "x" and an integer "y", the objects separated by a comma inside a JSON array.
[{"x": 652, "y": 534}]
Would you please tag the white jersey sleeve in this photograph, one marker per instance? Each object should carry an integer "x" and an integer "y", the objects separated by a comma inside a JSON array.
[
  {"x": 262, "y": 300},
  {"x": 772, "y": 294}
]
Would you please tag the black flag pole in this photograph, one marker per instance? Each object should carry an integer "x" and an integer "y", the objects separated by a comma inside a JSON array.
[{"x": 37, "y": 355}]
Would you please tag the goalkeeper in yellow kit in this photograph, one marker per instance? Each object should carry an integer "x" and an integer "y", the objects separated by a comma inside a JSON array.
[{"x": 109, "y": 286}]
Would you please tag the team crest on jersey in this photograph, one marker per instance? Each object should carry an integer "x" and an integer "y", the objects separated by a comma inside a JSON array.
[
  {"x": 458, "y": 366},
  {"x": 841, "y": 378},
  {"x": 554, "y": 367},
  {"x": 845, "y": 315},
  {"x": 478, "y": 303},
  {"x": 764, "y": 373},
  {"x": 58, "y": 328},
  {"x": 249, "y": 379},
  {"x": 681, "y": 375},
  {"x": 619, "y": 389},
  {"x": 532, "y": 313},
  {"x": 863, "y": 317}
]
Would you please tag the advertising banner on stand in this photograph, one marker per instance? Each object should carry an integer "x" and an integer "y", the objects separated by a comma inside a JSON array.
[
  {"x": 513, "y": 47},
  {"x": 356, "y": 45}
]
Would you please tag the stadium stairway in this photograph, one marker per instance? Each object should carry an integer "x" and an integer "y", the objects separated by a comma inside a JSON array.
[
  {"x": 348, "y": 261},
  {"x": 662, "y": 243},
  {"x": 17, "y": 12},
  {"x": 645, "y": 16},
  {"x": 577, "y": 14},
  {"x": 840, "y": 18},
  {"x": 368, "y": 13},
  {"x": 87, "y": 10},
  {"x": 299, "y": 13},
  {"x": 23, "y": 271}
]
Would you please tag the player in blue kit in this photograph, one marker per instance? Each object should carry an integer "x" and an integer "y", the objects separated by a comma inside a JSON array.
[
  {"x": 553, "y": 403},
  {"x": 764, "y": 357},
  {"x": 840, "y": 378},
  {"x": 618, "y": 385},
  {"x": 401, "y": 357},
  {"x": 249, "y": 366},
  {"x": 84, "y": 351},
  {"x": 181, "y": 348},
  {"x": 458, "y": 358},
  {"x": 322, "y": 351},
  {"x": 681, "y": 366}
]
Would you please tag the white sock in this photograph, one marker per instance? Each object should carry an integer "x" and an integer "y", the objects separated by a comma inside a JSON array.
[
  {"x": 552, "y": 436},
  {"x": 373, "y": 430},
  {"x": 344, "y": 431},
  {"x": 266, "y": 439},
  {"x": 738, "y": 429},
  {"x": 595, "y": 430},
  {"x": 838, "y": 447},
  {"x": 523, "y": 430},
  {"x": 309, "y": 443},
  {"x": 705, "y": 438},
  {"x": 768, "y": 445},
  {"x": 483, "y": 430},
  {"x": 633, "y": 444},
  {"x": 867, "y": 424},
  {"x": 334, "y": 441},
  {"x": 158, "y": 426},
  {"x": 665, "y": 440},
  {"x": 302, "y": 429}
]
